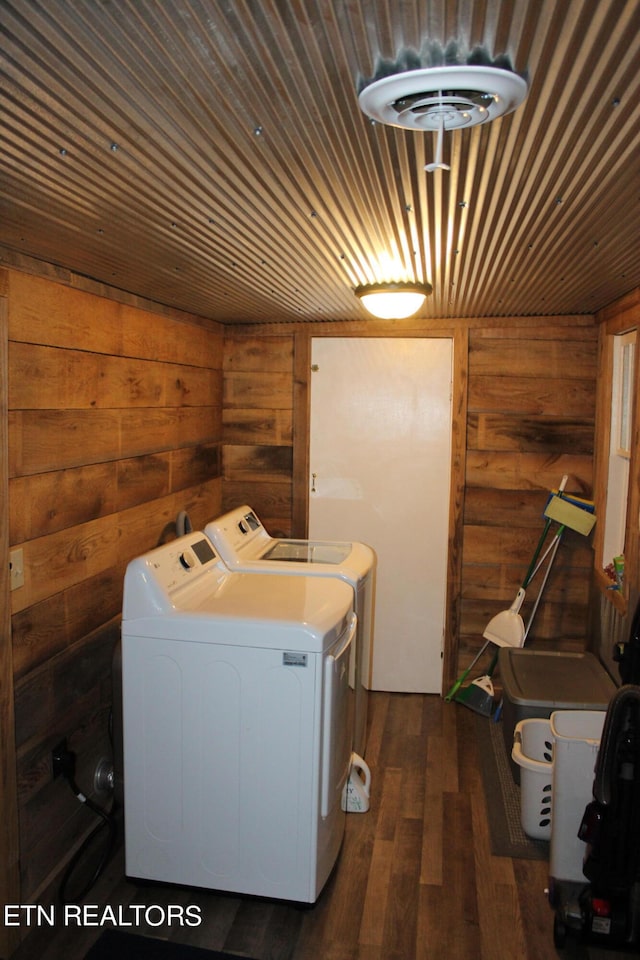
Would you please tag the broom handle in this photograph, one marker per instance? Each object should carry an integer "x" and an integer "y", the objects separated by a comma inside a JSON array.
[
  {"x": 463, "y": 676},
  {"x": 493, "y": 664}
]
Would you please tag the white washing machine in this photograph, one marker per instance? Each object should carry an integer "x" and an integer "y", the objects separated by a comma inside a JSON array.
[
  {"x": 243, "y": 543},
  {"x": 237, "y": 739}
]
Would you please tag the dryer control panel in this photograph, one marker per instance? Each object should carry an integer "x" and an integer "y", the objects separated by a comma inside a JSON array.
[
  {"x": 153, "y": 582},
  {"x": 238, "y": 534}
]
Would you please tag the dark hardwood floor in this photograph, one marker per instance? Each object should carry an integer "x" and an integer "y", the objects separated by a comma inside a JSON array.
[{"x": 415, "y": 880}]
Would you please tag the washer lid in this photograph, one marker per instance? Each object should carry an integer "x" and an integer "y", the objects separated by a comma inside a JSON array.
[
  {"x": 243, "y": 543},
  {"x": 308, "y": 551}
]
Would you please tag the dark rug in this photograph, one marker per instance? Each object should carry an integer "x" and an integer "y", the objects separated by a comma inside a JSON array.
[
  {"x": 118, "y": 945},
  {"x": 502, "y": 793}
]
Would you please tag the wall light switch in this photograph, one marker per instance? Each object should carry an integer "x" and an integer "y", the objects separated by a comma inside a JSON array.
[{"x": 16, "y": 569}]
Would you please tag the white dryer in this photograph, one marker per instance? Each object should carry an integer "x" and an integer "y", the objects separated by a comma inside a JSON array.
[
  {"x": 237, "y": 740},
  {"x": 243, "y": 543}
]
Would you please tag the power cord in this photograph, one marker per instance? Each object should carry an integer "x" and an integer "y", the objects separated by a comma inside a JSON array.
[{"x": 64, "y": 764}]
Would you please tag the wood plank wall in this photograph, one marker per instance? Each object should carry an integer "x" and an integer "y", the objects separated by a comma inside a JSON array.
[
  {"x": 258, "y": 428},
  {"x": 114, "y": 426},
  {"x": 529, "y": 418}
]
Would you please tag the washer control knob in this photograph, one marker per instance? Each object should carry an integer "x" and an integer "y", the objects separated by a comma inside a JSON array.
[{"x": 187, "y": 559}]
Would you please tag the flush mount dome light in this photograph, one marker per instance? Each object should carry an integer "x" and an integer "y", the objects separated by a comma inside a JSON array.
[
  {"x": 443, "y": 98},
  {"x": 393, "y": 301}
]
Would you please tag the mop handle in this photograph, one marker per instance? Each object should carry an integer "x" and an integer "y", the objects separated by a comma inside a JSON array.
[
  {"x": 531, "y": 572},
  {"x": 547, "y": 552},
  {"x": 553, "y": 546}
]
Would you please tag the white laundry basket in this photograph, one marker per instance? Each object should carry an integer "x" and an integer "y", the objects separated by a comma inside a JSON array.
[
  {"x": 576, "y": 739},
  {"x": 533, "y": 752}
]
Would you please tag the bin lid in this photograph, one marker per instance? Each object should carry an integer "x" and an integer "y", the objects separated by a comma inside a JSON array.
[{"x": 555, "y": 679}]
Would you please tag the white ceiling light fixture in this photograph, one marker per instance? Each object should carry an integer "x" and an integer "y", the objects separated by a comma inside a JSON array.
[
  {"x": 393, "y": 301},
  {"x": 441, "y": 99}
]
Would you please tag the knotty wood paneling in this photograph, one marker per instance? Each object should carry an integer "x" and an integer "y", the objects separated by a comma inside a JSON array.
[
  {"x": 495, "y": 506},
  {"x": 534, "y": 396},
  {"x": 258, "y": 353},
  {"x": 243, "y": 462},
  {"x": 524, "y": 357},
  {"x": 257, "y": 389},
  {"x": 43, "y": 503},
  {"x": 530, "y": 471},
  {"x": 45, "y": 629},
  {"x": 546, "y": 434},
  {"x": 114, "y": 425},
  {"x": 59, "y": 439},
  {"x": 257, "y": 425},
  {"x": 493, "y": 585},
  {"x": 495, "y": 544},
  {"x": 258, "y": 414},
  {"x": 50, "y": 378},
  {"x": 85, "y": 320},
  {"x": 531, "y": 420}
]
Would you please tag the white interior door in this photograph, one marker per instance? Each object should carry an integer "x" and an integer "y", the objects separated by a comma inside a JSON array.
[{"x": 380, "y": 460}]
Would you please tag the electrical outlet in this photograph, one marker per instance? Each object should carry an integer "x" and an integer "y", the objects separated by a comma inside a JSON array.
[{"x": 16, "y": 568}]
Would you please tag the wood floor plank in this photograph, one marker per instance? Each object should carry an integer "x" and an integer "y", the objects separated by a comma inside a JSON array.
[
  {"x": 391, "y": 785},
  {"x": 412, "y": 790},
  {"x": 442, "y": 933},
  {"x": 375, "y": 905},
  {"x": 414, "y": 716},
  {"x": 432, "y": 839},
  {"x": 450, "y": 769},
  {"x": 401, "y": 914},
  {"x": 440, "y": 774},
  {"x": 459, "y": 868},
  {"x": 532, "y": 879}
]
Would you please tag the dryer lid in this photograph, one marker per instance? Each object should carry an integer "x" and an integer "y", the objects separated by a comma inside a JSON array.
[{"x": 182, "y": 591}]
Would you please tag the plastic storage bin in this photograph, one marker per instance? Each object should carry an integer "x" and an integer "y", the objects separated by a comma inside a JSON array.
[
  {"x": 532, "y": 751},
  {"x": 535, "y": 683},
  {"x": 576, "y": 739}
]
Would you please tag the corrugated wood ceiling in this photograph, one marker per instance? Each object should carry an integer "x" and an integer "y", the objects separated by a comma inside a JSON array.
[{"x": 211, "y": 155}]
